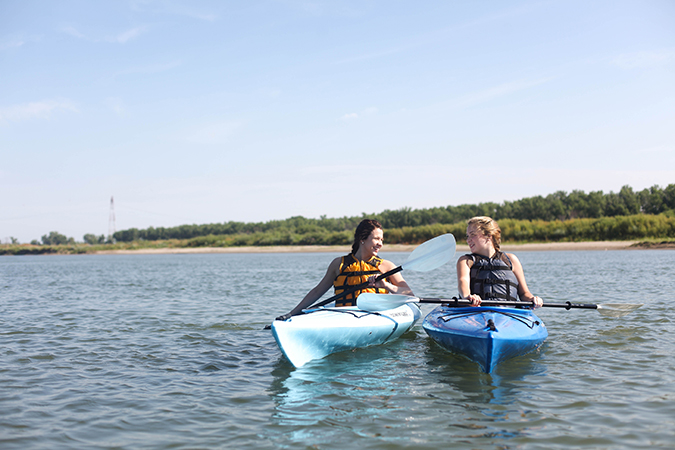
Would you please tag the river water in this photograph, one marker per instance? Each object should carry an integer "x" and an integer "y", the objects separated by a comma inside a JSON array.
[{"x": 169, "y": 352}]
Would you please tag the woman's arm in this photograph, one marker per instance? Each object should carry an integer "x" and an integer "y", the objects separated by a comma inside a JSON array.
[
  {"x": 464, "y": 280},
  {"x": 395, "y": 283},
  {"x": 320, "y": 289},
  {"x": 523, "y": 292}
]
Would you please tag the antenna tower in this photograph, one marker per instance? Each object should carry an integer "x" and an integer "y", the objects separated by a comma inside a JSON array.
[{"x": 111, "y": 220}]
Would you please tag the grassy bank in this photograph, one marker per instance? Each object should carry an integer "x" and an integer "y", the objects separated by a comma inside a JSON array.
[
  {"x": 654, "y": 244},
  {"x": 77, "y": 249},
  {"x": 653, "y": 231},
  {"x": 182, "y": 247}
]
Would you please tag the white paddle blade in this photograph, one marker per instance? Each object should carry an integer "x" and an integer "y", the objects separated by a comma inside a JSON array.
[
  {"x": 431, "y": 254},
  {"x": 617, "y": 309},
  {"x": 382, "y": 302}
]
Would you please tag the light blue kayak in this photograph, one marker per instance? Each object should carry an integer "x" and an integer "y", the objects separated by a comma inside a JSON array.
[
  {"x": 486, "y": 335},
  {"x": 323, "y": 331}
]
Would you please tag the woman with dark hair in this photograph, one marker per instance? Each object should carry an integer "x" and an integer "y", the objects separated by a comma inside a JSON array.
[
  {"x": 488, "y": 273},
  {"x": 360, "y": 266}
]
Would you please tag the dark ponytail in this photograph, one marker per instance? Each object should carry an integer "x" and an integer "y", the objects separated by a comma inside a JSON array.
[{"x": 363, "y": 231}]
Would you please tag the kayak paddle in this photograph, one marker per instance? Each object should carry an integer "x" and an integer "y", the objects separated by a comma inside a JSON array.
[
  {"x": 427, "y": 256},
  {"x": 380, "y": 302}
]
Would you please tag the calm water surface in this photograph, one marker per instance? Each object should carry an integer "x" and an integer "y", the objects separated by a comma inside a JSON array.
[{"x": 169, "y": 352}]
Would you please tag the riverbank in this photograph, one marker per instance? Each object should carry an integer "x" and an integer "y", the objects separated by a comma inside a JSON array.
[
  {"x": 24, "y": 249},
  {"x": 514, "y": 248}
]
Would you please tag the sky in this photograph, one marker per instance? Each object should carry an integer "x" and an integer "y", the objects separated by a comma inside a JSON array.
[{"x": 194, "y": 112}]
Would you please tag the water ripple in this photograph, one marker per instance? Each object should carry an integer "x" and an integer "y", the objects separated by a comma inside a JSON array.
[{"x": 169, "y": 351}]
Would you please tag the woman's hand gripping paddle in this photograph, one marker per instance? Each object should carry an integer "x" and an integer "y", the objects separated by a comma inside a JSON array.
[{"x": 427, "y": 256}]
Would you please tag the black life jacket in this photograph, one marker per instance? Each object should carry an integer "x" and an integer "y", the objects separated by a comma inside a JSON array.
[{"x": 493, "y": 277}]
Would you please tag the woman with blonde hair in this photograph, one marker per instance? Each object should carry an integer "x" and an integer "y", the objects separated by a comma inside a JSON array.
[{"x": 487, "y": 273}]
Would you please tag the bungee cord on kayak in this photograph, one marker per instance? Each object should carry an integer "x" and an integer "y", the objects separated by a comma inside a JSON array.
[{"x": 530, "y": 322}]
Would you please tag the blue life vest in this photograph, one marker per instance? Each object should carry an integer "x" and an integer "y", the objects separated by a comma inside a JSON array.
[{"x": 493, "y": 278}]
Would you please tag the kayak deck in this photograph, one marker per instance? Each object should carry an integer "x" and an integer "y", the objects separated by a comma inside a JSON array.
[
  {"x": 321, "y": 332},
  {"x": 486, "y": 335}
]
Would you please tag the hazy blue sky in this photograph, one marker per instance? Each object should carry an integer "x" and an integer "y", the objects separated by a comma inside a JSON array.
[{"x": 210, "y": 111}]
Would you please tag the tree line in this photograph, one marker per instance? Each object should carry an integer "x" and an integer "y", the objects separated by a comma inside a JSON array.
[
  {"x": 557, "y": 208},
  {"x": 635, "y": 227},
  {"x": 56, "y": 238}
]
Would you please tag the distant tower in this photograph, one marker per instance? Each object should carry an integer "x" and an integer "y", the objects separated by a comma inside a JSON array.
[{"x": 111, "y": 220}]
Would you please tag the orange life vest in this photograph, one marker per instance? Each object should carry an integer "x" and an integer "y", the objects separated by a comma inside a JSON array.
[{"x": 353, "y": 272}]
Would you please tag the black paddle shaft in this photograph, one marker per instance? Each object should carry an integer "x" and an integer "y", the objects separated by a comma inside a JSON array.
[
  {"x": 349, "y": 291},
  {"x": 463, "y": 302}
]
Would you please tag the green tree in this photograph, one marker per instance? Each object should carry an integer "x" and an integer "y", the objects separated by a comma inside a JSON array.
[
  {"x": 630, "y": 200},
  {"x": 652, "y": 200},
  {"x": 54, "y": 238},
  {"x": 92, "y": 239},
  {"x": 576, "y": 204},
  {"x": 595, "y": 204},
  {"x": 555, "y": 206},
  {"x": 614, "y": 205},
  {"x": 669, "y": 196}
]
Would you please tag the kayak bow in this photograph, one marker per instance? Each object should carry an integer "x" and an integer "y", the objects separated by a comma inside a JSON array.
[
  {"x": 323, "y": 331},
  {"x": 486, "y": 335}
]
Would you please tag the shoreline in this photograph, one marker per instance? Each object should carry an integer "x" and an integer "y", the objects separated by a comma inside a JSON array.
[{"x": 511, "y": 248}]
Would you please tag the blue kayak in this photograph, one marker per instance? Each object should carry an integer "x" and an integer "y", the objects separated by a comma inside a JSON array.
[{"x": 486, "y": 335}]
